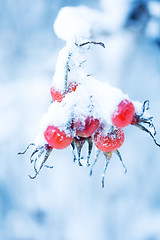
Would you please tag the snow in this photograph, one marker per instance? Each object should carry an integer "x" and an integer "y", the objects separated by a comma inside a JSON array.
[
  {"x": 91, "y": 98},
  {"x": 70, "y": 24},
  {"x": 76, "y": 24},
  {"x": 59, "y": 114},
  {"x": 65, "y": 203}
]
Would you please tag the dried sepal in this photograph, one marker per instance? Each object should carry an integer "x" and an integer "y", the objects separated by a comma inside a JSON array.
[
  {"x": 120, "y": 158},
  {"x": 108, "y": 156},
  {"x": 31, "y": 144},
  {"x": 78, "y": 144},
  {"x": 95, "y": 160},
  {"x": 90, "y": 146},
  {"x": 140, "y": 121},
  {"x": 143, "y": 128},
  {"x": 46, "y": 150}
]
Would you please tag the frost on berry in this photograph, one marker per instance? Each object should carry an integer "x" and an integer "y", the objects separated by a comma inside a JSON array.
[
  {"x": 84, "y": 110},
  {"x": 110, "y": 141}
]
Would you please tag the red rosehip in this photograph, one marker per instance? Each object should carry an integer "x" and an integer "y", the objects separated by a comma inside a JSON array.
[
  {"x": 123, "y": 115},
  {"x": 57, "y": 138},
  {"x": 110, "y": 141},
  {"x": 57, "y": 95},
  {"x": 86, "y": 128}
]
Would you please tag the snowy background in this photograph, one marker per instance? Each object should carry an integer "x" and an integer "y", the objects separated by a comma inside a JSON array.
[{"x": 65, "y": 203}]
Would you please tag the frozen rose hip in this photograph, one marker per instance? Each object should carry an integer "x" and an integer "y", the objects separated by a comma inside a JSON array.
[
  {"x": 57, "y": 138},
  {"x": 108, "y": 142},
  {"x": 123, "y": 115},
  {"x": 57, "y": 95},
  {"x": 86, "y": 128}
]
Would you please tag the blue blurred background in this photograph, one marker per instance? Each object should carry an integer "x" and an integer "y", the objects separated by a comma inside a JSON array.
[{"x": 65, "y": 203}]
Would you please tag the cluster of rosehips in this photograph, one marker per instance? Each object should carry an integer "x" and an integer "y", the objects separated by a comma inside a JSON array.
[
  {"x": 93, "y": 130},
  {"x": 109, "y": 142},
  {"x": 107, "y": 138}
]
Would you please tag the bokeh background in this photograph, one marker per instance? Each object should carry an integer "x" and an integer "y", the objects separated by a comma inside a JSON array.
[{"x": 65, "y": 203}]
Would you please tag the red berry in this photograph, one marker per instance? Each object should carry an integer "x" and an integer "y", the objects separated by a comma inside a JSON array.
[
  {"x": 57, "y": 138},
  {"x": 123, "y": 115},
  {"x": 72, "y": 87},
  {"x": 86, "y": 128},
  {"x": 110, "y": 141},
  {"x": 57, "y": 95}
]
